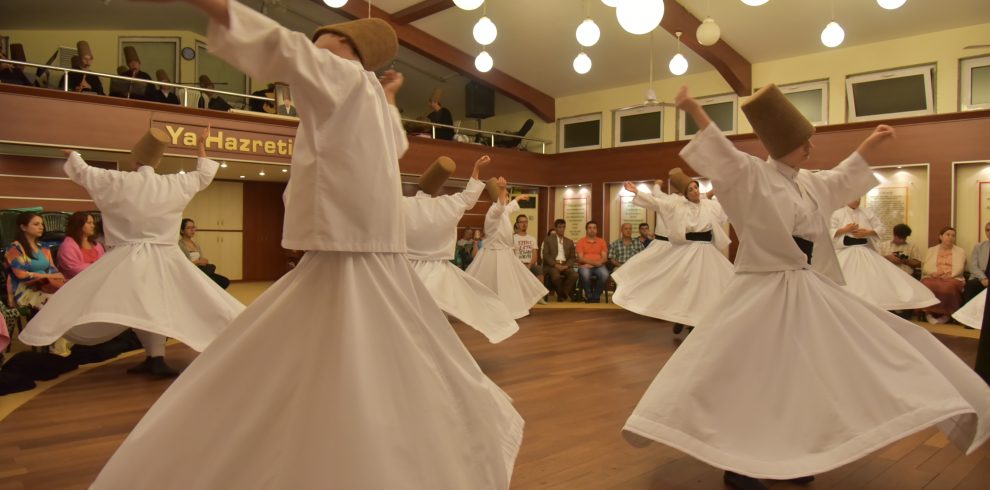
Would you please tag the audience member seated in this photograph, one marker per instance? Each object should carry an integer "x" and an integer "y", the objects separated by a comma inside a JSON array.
[
  {"x": 214, "y": 102},
  {"x": 465, "y": 245},
  {"x": 163, "y": 93},
  {"x": 33, "y": 275},
  {"x": 286, "y": 108},
  {"x": 977, "y": 266},
  {"x": 14, "y": 74},
  {"x": 527, "y": 249},
  {"x": 558, "y": 260},
  {"x": 78, "y": 251},
  {"x": 592, "y": 255},
  {"x": 440, "y": 115},
  {"x": 942, "y": 272},
  {"x": 119, "y": 87},
  {"x": 645, "y": 235},
  {"x": 194, "y": 253},
  {"x": 625, "y": 247},
  {"x": 899, "y": 252},
  {"x": 83, "y": 82}
]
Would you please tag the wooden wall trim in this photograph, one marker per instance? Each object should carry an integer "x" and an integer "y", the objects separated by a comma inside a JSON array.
[
  {"x": 421, "y": 10},
  {"x": 734, "y": 68}
]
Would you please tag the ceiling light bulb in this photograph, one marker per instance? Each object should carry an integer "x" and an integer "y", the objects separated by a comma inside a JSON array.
[
  {"x": 891, "y": 4},
  {"x": 242, "y": 176},
  {"x": 468, "y": 4},
  {"x": 708, "y": 32},
  {"x": 755, "y": 3},
  {"x": 833, "y": 35},
  {"x": 485, "y": 31},
  {"x": 639, "y": 16},
  {"x": 582, "y": 63},
  {"x": 335, "y": 3},
  {"x": 223, "y": 164},
  {"x": 678, "y": 64},
  {"x": 588, "y": 33},
  {"x": 182, "y": 172},
  {"x": 285, "y": 170},
  {"x": 262, "y": 173},
  {"x": 484, "y": 62}
]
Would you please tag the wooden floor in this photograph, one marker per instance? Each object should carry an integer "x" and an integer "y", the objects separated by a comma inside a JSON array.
[{"x": 575, "y": 375}]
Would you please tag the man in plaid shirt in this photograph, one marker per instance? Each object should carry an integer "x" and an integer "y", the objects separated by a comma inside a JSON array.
[{"x": 625, "y": 247}]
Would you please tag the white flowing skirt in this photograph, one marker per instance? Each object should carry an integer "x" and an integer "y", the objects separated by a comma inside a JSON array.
[
  {"x": 345, "y": 375},
  {"x": 971, "y": 314},
  {"x": 466, "y": 299},
  {"x": 873, "y": 278},
  {"x": 502, "y": 272},
  {"x": 679, "y": 286},
  {"x": 790, "y": 375},
  {"x": 150, "y": 287},
  {"x": 635, "y": 265}
]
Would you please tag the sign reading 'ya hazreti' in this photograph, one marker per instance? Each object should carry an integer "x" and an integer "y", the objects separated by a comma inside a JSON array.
[{"x": 228, "y": 140}]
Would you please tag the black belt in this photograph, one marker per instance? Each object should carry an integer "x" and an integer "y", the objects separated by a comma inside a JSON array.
[
  {"x": 661, "y": 238},
  {"x": 806, "y": 246},
  {"x": 698, "y": 236},
  {"x": 850, "y": 241}
]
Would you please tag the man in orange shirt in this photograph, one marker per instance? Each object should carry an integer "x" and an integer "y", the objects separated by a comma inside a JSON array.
[{"x": 592, "y": 255}]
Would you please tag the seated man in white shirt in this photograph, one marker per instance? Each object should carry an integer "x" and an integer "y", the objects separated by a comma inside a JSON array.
[{"x": 526, "y": 248}]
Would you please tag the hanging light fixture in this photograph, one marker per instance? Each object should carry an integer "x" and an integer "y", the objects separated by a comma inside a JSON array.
[
  {"x": 484, "y": 62},
  {"x": 752, "y": 3},
  {"x": 611, "y": 3},
  {"x": 708, "y": 32},
  {"x": 832, "y": 34},
  {"x": 582, "y": 63},
  {"x": 588, "y": 33},
  {"x": 639, "y": 16},
  {"x": 891, "y": 4},
  {"x": 485, "y": 31},
  {"x": 335, "y": 3},
  {"x": 678, "y": 64},
  {"x": 468, "y": 4}
]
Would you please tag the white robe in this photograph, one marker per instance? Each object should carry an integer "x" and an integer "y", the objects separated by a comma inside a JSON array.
[
  {"x": 868, "y": 274},
  {"x": 497, "y": 266},
  {"x": 431, "y": 236},
  {"x": 971, "y": 313},
  {"x": 635, "y": 267},
  {"x": 344, "y": 373},
  {"x": 144, "y": 281},
  {"x": 682, "y": 283},
  {"x": 790, "y": 375}
]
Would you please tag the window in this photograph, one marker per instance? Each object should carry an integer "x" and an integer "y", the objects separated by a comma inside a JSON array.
[
  {"x": 894, "y": 93},
  {"x": 580, "y": 132},
  {"x": 722, "y": 109},
  {"x": 811, "y": 98},
  {"x": 974, "y": 79},
  {"x": 156, "y": 53},
  {"x": 637, "y": 126}
]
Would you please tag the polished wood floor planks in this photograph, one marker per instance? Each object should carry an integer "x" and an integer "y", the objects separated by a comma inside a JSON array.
[{"x": 574, "y": 375}]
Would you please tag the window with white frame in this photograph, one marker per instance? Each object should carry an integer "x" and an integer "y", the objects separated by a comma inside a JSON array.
[
  {"x": 580, "y": 132},
  {"x": 974, "y": 81},
  {"x": 811, "y": 98},
  {"x": 637, "y": 125},
  {"x": 894, "y": 93},
  {"x": 722, "y": 109}
]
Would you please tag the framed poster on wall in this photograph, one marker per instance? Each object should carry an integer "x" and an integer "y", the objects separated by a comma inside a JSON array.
[
  {"x": 890, "y": 204},
  {"x": 576, "y": 215},
  {"x": 630, "y": 213},
  {"x": 984, "y": 212}
]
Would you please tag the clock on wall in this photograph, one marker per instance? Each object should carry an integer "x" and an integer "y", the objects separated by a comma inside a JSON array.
[{"x": 188, "y": 53}]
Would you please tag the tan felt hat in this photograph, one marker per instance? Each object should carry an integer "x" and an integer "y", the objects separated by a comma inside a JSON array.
[
  {"x": 130, "y": 54},
  {"x": 781, "y": 126},
  {"x": 374, "y": 40},
  {"x": 432, "y": 180},
  {"x": 148, "y": 150},
  {"x": 161, "y": 76},
  {"x": 17, "y": 52},
  {"x": 436, "y": 95},
  {"x": 205, "y": 82},
  {"x": 679, "y": 180},
  {"x": 493, "y": 189},
  {"x": 83, "y": 48}
]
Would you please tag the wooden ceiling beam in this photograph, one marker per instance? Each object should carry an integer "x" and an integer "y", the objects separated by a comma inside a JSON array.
[
  {"x": 735, "y": 69},
  {"x": 420, "y": 10},
  {"x": 543, "y": 105}
]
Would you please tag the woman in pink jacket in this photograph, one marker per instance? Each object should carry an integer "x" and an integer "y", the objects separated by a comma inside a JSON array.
[{"x": 78, "y": 251}]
